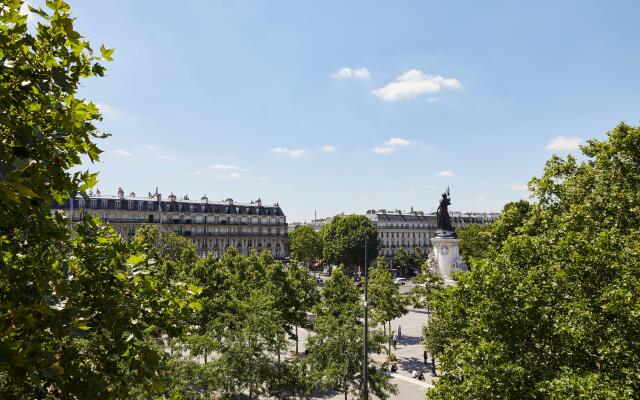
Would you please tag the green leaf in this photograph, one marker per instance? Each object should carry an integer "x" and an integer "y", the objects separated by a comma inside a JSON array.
[{"x": 106, "y": 53}]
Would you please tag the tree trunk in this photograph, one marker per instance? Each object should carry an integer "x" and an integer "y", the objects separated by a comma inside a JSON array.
[
  {"x": 297, "y": 340},
  {"x": 205, "y": 358},
  {"x": 345, "y": 394}
]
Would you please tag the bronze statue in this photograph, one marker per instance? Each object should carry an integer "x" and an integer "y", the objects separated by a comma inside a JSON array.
[{"x": 444, "y": 222}]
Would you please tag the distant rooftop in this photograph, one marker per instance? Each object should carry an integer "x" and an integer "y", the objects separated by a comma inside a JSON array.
[{"x": 173, "y": 198}]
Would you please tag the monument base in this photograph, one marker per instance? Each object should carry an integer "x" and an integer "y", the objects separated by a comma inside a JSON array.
[{"x": 446, "y": 254}]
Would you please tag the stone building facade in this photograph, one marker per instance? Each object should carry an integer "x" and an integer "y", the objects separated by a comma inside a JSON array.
[
  {"x": 212, "y": 226},
  {"x": 408, "y": 230}
]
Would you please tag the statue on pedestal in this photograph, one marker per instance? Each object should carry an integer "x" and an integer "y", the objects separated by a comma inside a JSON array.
[{"x": 442, "y": 215}]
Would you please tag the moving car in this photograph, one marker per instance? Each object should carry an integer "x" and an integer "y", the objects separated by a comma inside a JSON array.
[{"x": 401, "y": 281}]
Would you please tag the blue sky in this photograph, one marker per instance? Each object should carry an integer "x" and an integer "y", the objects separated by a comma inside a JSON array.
[{"x": 238, "y": 98}]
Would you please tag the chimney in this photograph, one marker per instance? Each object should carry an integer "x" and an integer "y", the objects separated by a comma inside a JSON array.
[
  {"x": 120, "y": 193},
  {"x": 98, "y": 193},
  {"x": 229, "y": 201},
  {"x": 205, "y": 199},
  {"x": 172, "y": 197},
  {"x": 132, "y": 194},
  {"x": 259, "y": 202}
]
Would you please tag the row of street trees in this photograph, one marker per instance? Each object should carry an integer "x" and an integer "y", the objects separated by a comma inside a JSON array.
[
  {"x": 249, "y": 310},
  {"x": 342, "y": 241}
]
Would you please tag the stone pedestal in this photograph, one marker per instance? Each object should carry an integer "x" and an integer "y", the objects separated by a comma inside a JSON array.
[{"x": 446, "y": 254}]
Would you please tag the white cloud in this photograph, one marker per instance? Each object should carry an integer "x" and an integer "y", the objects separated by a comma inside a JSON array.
[
  {"x": 517, "y": 186},
  {"x": 167, "y": 157},
  {"x": 564, "y": 143},
  {"x": 121, "y": 152},
  {"x": 150, "y": 147},
  {"x": 228, "y": 171},
  {"x": 358, "y": 73},
  {"x": 391, "y": 145},
  {"x": 197, "y": 173},
  {"x": 433, "y": 99},
  {"x": 396, "y": 141},
  {"x": 262, "y": 178},
  {"x": 290, "y": 152},
  {"x": 327, "y": 149},
  {"x": 479, "y": 197},
  {"x": 414, "y": 83},
  {"x": 446, "y": 173},
  {"x": 383, "y": 150}
]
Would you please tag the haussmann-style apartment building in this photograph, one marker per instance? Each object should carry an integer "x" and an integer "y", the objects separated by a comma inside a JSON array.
[{"x": 212, "y": 226}]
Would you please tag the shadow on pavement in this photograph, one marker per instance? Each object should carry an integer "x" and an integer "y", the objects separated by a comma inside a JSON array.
[
  {"x": 412, "y": 364},
  {"x": 410, "y": 340}
]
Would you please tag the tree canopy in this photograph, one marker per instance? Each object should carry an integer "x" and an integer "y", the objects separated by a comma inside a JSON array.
[
  {"x": 551, "y": 309},
  {"x": 344, "y": 240},
  {"x": 305, "y": 245}
]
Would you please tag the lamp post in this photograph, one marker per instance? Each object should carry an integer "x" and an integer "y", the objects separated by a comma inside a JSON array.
[{"x": 365, "y": 391}]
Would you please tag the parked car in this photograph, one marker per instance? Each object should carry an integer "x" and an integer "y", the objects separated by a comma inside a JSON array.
[{"x": 401, "y": 281}]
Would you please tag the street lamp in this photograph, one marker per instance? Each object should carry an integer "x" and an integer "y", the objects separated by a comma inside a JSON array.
[{"x": 365, "y": 391}]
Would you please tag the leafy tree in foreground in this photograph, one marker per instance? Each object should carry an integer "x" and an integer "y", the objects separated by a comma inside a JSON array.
[
  {"x": 77, "y": 312},
  {"x": 474, "y": 241},
  {"x": 426, "y": 284},
  {"x": 336, "y": 351},
  {"x": 305, "y": 245},
  {"x": 176, "y": 254},
  {"x": 553, "y": 312},
  {"x": 344, "y": 240},
  {"x": 387, "y": 303}
]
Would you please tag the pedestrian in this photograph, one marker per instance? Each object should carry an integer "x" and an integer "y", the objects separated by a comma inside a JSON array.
[
  {"x": 426, "y": 356},
  {"x": 395, "y": 341},
  {"x": 399, "y": 332}
]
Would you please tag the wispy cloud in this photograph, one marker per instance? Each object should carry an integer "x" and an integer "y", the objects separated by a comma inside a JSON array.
[
  {"x": 227, "y": 171},
  {"x": 166, "y": 157},
  {"x": 414, "y": 83},
  {"x": 150, "y": 147},
  {"x": 433, "y": 99},
  {"x": 517, "y": 186},
  {"x": 327, "y": 148},
  {"x": 358, "y": 73},
  {"x": 446, "y": 173},
  {"x": 290, "y": 152},
  {"x": 383, "y": 150},
  {"x": 391, "y": 145},
  {"x": 396, "y": 141},
  {"x": 123, "y": 153},
  {"x": 479, "y": 197},
  {"x": 564, "y": 143}
]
